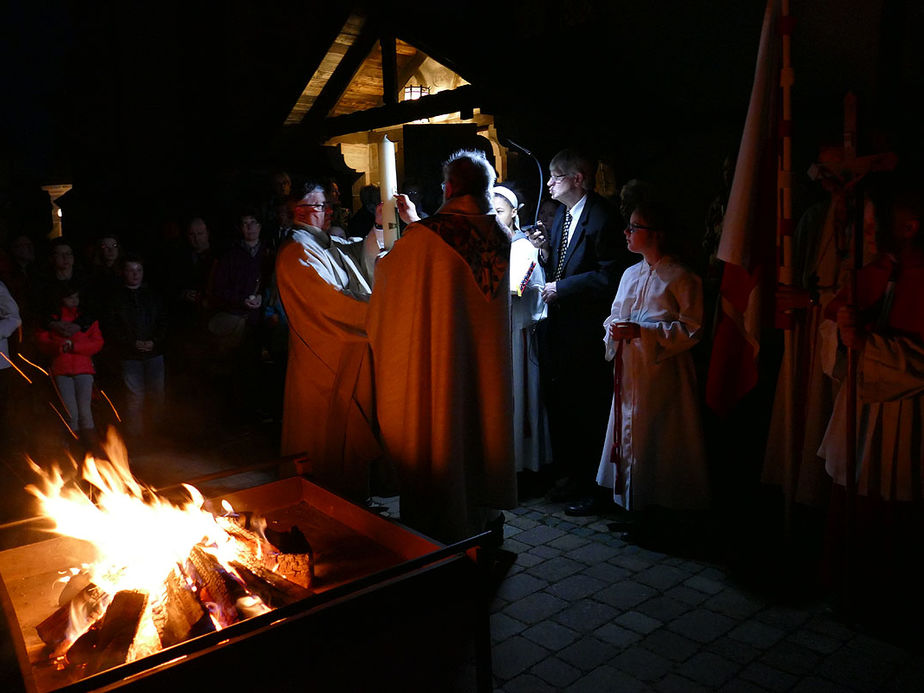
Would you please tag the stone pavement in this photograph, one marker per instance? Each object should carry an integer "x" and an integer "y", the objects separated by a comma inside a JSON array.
[{"x": 582, "y": 610}]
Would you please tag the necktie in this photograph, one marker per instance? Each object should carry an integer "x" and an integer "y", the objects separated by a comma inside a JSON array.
[{"x": 563, "y": 248}]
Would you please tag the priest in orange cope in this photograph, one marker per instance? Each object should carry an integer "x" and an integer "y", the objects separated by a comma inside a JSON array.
[
  {"x": 325, "y": 283},
  {"x": 439, "y": 327}
]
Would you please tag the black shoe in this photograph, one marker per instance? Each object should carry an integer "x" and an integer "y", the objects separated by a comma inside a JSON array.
[{"x": 589, "y": 505}]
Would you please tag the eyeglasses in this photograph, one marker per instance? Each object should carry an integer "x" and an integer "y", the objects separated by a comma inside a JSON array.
[
  {"x": 632, "y": 228},
  {"x": 559, "y": 176},
  {"x": 317, "y": 206}
]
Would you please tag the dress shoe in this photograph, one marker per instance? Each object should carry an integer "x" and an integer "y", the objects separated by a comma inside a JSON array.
[{"x": 589, "y": 505}]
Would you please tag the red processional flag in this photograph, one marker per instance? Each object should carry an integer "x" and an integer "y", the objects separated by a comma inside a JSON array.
[{"x": 748, "y": 241}]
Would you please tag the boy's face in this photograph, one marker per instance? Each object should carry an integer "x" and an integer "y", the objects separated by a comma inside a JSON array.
[{"x": 71, "y": 301}]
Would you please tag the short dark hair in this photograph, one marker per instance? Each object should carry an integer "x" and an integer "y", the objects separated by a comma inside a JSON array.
[
  {"x": 469, "y": 173},
  {"x": 132, "y": 257}
]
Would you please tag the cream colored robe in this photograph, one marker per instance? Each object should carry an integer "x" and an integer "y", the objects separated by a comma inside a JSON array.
[
  {"x": 443, "y": 380},
  {"x": 663, "y": 461},
  {"x": 329, "y": 405}
]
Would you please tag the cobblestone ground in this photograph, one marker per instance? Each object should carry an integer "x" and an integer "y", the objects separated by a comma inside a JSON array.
[{"x": 582, "y": 610}]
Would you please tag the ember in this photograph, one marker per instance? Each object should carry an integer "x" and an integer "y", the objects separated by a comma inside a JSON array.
[{"x": 162, "y": 572}]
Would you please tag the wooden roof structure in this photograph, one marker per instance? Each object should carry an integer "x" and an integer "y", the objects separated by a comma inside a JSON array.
[{"x": 359, "y": 82}]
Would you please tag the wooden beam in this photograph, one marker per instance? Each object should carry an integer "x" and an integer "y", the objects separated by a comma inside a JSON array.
[
  {"x": 408, "y": 71},
  {"x": 343, "y": 75},
  {"x": 465, "y": 98},
  {"x": 389, "y": 70}
]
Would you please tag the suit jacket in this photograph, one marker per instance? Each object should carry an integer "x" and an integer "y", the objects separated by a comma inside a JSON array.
[{"x": 594, "y": 262}]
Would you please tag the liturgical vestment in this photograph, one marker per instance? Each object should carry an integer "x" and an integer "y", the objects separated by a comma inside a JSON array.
[
  {"x": 439, "y": 326},
  {"x": 328, "y": 407}
]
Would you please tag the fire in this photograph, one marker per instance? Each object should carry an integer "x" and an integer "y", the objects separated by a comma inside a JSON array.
[
  {"x": 139, "y": 537},
  {"x": 148, "y": 550}
]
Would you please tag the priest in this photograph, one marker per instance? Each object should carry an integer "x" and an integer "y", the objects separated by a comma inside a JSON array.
[
  {"x": 325, "y": 284},
  {"x": 439, "y": 327}
]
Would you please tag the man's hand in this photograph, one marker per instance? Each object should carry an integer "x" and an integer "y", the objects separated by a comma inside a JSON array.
[
  {"x": 144, "y": 345},
  {"x": 852, "y": 335},
  {"x": 253, "y": 302},
  {"x": 625, "y": 331},
  {"x": 550, "y": 292},
  {"x": 540, "y": 239},
  {"x": 406, "y": 209}
]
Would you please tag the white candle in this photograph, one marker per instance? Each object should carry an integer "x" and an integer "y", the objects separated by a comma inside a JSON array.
[{"x": 389, "y": 174}]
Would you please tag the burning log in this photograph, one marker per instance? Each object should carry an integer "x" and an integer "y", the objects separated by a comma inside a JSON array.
[
  {"x": 88, "y": 602},
  {"x": 179, "y": 615},
  {"x": 273, "y": 589},
  {"x": 218, "y": 586},
  {"x": 107, "y": 643},
  {"x": 288, "y": 554}
]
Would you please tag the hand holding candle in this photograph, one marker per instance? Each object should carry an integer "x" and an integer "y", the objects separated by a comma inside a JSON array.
[{"x": 624, "y": 331}]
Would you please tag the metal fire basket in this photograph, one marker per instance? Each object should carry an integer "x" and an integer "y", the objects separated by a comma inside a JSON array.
[{"x": 390, "y": 610}]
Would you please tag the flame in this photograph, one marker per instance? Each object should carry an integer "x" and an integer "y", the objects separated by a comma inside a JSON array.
[{"x": 139, "y": 537}]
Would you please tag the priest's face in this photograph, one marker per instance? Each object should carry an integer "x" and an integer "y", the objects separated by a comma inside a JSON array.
[{"x": 314, "y": 210}]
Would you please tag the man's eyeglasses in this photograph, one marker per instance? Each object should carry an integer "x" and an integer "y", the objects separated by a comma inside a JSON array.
[
  {"x": 632, "y": 228},
  {"x": 559, "y": 176},
  {"x": 317, "y": 206}
]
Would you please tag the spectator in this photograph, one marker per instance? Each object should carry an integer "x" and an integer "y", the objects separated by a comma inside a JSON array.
[
  {"x": 240, "y": 277},
  {"x": 9, "y": 324},
  {"x": 136, "y": 325},
  {"x": 72, "y": 366},
  {"x": 364, "y": 218},
  {"x": 580, "y": 284}
]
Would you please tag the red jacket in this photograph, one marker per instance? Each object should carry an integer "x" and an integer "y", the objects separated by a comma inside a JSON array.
[{"x": 85, "y": 343}]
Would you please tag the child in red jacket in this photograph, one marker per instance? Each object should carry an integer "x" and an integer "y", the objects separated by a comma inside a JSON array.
[{"x": 71, "y": 350}]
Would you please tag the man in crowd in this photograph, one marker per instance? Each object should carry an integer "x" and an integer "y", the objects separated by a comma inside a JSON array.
[
  {"x": 439, "y": 330},
  {"x": 583, "y": 262},
  {"x": 136, "y": 325}
]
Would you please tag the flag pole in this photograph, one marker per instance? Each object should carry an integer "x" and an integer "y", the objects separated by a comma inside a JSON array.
[
  {"x": 850, "y": 480},
  {"x": 784, "y": 253}
]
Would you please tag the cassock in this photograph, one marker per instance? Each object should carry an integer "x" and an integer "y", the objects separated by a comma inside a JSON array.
[
  {"x": 439, "y": 326},
  {"x": 661, "y": 455},
  {"x": 328, "y": 409}
]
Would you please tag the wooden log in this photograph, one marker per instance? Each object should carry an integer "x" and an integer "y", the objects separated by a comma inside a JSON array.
[
  {"x": 178, "y": 614},
  {"x": 107, "y": 642},
  {"x": 273, "y": 589},
  {"x": 295, "y": 562},
  {"x": 88, "y": 601},
  {"x": 218, "y": 587},
  {"x": 296, "y": 567}
]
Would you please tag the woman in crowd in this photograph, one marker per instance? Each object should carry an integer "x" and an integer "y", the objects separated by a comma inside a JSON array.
[
  {"x": 653, "y": 456},
  {"x": 72, "y": 365}
]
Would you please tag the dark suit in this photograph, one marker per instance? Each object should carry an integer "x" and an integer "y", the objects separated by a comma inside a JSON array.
[{"x": 576, "y": 379}]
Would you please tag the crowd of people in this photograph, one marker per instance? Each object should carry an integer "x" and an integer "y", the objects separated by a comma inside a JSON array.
[{"x": 476, "y": 349}]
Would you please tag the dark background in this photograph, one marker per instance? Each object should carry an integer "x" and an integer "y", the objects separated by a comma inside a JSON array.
[{"x": 156, "y": 109}]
